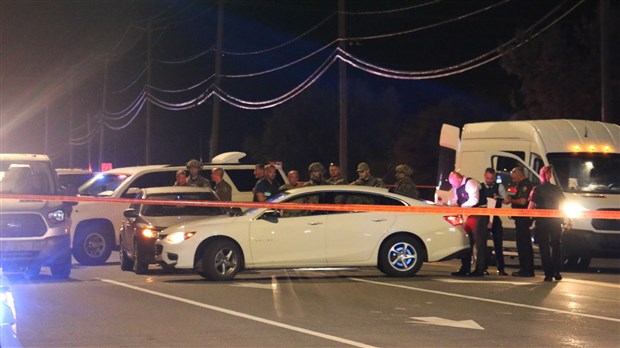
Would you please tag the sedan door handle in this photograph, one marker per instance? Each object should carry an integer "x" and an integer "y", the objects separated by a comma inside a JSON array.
[
  {"x": 378, "y": 220},
  {"x": 314, "y": 223}
]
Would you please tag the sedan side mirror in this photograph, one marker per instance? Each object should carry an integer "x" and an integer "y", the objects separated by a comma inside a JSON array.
[{"x": 130, "y": 213}]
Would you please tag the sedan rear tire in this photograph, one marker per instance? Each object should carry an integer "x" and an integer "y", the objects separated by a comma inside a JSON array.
[
  {"x": 221, "y": 260},
  {"x": 401, "y": 256}
]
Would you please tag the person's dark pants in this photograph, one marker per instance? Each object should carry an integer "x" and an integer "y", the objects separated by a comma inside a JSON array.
[
  {"x": 476, "y": 228},
  {"x": 524, "y": 245},
  {"x": 548, "y": 234},
  {"x": 498, "y": 242}
]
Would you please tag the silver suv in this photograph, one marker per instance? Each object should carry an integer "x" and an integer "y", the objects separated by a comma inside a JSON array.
[
  {"x": 96, "y": 227},
  {"x": 33, "y": 233}
]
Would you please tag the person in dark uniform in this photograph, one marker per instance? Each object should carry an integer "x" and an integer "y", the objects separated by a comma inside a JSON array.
[
  {"x": 221, "y": 188},
  {"x": 548, "y": 231},
  {"x": 365, "y": 178},
  {"x": 316, "y": 170},
  {"x": 496, "y": 191},
  {"x": 467, "y": 194},
  {"x": 267, "y": 187},
  {"x": 522, "y": 224},
  {"x": 195, "y": 179},
  {"x": 335, "y": 175},
  {"x": 404, "y": 185}
]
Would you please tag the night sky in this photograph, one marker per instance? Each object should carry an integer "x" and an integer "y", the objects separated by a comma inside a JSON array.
[{"x": 52, "y": 57}]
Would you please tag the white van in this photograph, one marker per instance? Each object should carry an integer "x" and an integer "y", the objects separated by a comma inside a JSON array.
[
  {"x": 96, "y": 226},
  {"x": 585, "y": 156}
]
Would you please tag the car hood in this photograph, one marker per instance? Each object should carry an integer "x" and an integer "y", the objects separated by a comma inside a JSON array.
[
  {"x": 203, "y": 221},
  {"x": 18, "y": 205},
  {"x": 167, "y": 221}
]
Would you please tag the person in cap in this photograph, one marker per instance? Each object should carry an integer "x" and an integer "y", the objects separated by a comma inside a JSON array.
[
  {"x": 293, "y": 181},
  {"x": 316, "y": 171},
  {"x": 404, "y": 185},
  {"x": 365, "y": 178},
  {"x": 181, "y": 177},
  {"x": 335, "y": 175},
  {"x": 195, "y": 179}
]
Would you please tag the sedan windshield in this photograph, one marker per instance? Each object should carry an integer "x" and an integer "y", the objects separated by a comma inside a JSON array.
[
  {"x": 587, "y": 172},
  {"x": 102, "y": 183},
  {"x": 182, "y": 210}
]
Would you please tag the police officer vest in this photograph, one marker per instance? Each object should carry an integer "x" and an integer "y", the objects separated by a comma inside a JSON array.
[
  {"x": 462, "y": 195},
  {"x": 491, "y": 192}
]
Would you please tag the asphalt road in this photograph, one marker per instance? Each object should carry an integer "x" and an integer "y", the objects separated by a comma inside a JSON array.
[{"x": 103, "y": 306}]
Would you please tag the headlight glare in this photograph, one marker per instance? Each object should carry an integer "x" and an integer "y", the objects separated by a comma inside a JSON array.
[
  {"x": 178, "y": 237},
  {"x": 56, "y": 216},
  {"x": 150, "y": 233},
  {"x": 573, "y": 209}
]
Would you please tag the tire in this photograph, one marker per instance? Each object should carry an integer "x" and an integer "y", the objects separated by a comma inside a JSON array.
[
  {"x": 32, "y": 271},
  {"x": 221, "y": 260},
  {"x": 401, "y": 256},
  {"x": 61, "y": 269},
  {"x": 576, "y": 262},
  {"x": 139, "y": 266},
  {"x": 93, "y": 246},
  {"x": 126, "y": 263}
]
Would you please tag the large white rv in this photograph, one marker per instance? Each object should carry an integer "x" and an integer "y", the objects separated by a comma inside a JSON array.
[{"x": 585, "y": 156}]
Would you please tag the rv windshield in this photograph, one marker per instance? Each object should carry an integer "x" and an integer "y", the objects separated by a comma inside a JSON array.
[{"x": 587, "y": 172}]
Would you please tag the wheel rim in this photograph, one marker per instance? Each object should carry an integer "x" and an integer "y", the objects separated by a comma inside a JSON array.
[
  {"x": 402, "y": 256},
  {"x": 225, "y": 262},
  {"x": 94, "y": 245}
]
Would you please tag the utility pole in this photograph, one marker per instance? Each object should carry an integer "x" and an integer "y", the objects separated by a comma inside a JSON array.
[
  {"x": 104, "y": 97},
  {"x": 71, "y": 109},
  {"x": 47, "y": 129},
  {"x": 147, "y": 141},
  {"x": 215, "y": 124},
  {"x": 342, "y": 84},
  {"x": 89, "y": 146},
  {"x": 606, "y": 100}
]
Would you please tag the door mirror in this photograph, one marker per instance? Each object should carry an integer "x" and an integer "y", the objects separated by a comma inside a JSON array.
[
  {"x": 130, "y": 213},
  {"x": 271, "y": 215}
]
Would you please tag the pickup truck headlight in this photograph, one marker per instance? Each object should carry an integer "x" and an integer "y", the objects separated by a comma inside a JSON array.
[
  {"x": 573, "y": 210},
  {"x": 178, "y": 237},
  {"x": 56, "y": 217}
]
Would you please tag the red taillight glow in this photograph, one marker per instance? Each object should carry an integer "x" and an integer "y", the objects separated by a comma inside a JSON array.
[{"x": 454, "y": 220}]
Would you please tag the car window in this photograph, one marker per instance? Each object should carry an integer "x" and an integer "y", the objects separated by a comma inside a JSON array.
[
  {"x": 181, "y": 210},
  {"x": 153, "y": 179},
  {"x": 362, "y": 198},
  {"x": 304, "y": 199}
]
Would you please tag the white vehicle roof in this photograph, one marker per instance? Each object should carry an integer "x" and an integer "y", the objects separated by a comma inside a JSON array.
[
  {"x": 23, "y": 157},
  {"x": 555, "y": 135},
  {"x": 352, "y": 188}
]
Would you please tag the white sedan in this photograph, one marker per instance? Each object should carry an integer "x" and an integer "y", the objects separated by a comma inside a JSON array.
[{"x": 395, "y": 242}]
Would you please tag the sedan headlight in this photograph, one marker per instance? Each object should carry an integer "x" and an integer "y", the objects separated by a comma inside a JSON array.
[
  {"x": 150, "y": 233},
  {"x": 56, "y": 217},
  {"x": 178, "y": 237},
  {"x": 573, "y": 209}
]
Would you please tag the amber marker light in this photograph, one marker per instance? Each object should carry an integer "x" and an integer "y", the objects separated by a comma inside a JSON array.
[{"x": 591, "y": 148}]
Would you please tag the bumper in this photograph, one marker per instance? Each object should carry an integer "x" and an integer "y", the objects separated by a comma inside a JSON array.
[
  {"x": 18, "y": 253},
  {"x": 147, "y": 250},
  {"x": 172, "y": 255}
]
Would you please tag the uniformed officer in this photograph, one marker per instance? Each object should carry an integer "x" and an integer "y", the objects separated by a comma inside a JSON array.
[
  {"x": 404, "y": 185},
  {"x": 522, "y": 224},
  {"x": 316, "y": 171},
  {"x": 497, "y": 191},
  {"x": 365, "y": 178},
  {"x": 195, "y": 179},
  {"x": 268, "y": 186},
  {"x": 548, "y": 231},
  {"x": 335, "y": 175},
  {"x": 293, "y": 181},
  {"x": 467, "y": 195},
  {"x": 222, "y": 188}
]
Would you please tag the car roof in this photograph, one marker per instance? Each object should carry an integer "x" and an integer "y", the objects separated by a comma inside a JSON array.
[
  {"x": 174, "y": 189},
  {"x": 61, "y": 171}
]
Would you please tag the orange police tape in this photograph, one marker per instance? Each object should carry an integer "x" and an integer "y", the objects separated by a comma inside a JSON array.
[{"x": 430, "y": 209}]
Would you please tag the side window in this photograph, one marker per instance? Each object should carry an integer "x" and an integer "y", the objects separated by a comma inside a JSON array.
[
  {"x": 503, "y": 166},
  {"x": 243, "y": 179},
  {"x": 310, "y": 198},
  {"x": 536, "y": 162},
  {"x": 155, "y": 179},
  {"x": 206, "y": 173}
]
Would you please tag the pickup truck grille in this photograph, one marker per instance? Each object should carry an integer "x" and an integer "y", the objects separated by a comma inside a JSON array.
[
  {"x": 606, "y": 224},
  {"x": 21, "y": 225}
]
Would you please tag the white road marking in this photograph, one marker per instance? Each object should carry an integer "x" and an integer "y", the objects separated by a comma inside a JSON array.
[
  {"x": 462, "y": 281},
  {"x": 256, "y": 285},
  {"x": 242, "y": 315},
  {"x": 489, "y": 300},
  {"x": 462, "y": 324}
]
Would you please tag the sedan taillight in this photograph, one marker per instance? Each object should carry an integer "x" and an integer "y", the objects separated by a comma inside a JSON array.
[{"x": 454, "y": 220}]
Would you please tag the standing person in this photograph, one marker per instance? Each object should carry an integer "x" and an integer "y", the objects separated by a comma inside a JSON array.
[
  {"x": 522, "y": 224},
  {"x": 365, "y": 178},
  {"x": 404, "y": 185},
  {"x": 267, "y": 187},
  {"x": 181, "y": 178},
  {"x": 195, "y": 179},
  {"x": 548, "y": 231},
  {"x": 221, "y": 188},
  {"x": 496, "y": 191},
  {"x": 335, "y": 175},
  {"x": 467, "y": 195},
  {"x": 315, "y": 171},
  {"x": 259, "y": 174},
  {"x": 293, "y": 181}
]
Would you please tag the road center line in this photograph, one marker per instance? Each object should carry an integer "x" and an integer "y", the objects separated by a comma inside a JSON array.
[
  {"x": 489, "y": 300},
  {"x": 242, "y": 315}
]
